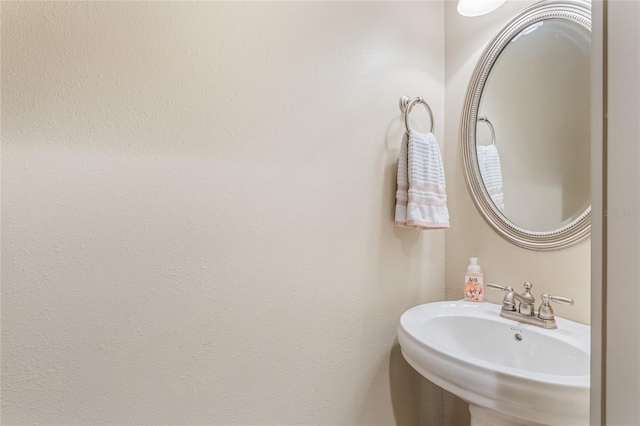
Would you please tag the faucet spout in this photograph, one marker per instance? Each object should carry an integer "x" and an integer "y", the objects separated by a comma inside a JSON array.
[{"x": 526, "y": 299}]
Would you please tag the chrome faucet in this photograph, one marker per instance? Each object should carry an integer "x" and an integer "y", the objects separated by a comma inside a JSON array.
[
  {"x": 526, "y": 300},
  {"x": 525, "y": 311}
]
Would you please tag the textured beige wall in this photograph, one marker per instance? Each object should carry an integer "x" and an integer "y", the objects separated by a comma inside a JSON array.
[
  {"x": 563, "y": 273},
  {"x": 196, "y": 211}
]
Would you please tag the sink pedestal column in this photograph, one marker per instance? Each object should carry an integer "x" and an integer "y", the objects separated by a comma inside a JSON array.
[{"x": 486, "y": 417}]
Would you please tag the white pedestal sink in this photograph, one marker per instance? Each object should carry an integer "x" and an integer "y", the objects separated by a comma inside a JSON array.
[{"x": 510, "y": 373}]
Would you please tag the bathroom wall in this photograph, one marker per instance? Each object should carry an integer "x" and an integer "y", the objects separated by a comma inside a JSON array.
[
  {"x": 563, "y": 273},
  {"x": 622, "y": 214},
  {"x": 197, "y": 211}
]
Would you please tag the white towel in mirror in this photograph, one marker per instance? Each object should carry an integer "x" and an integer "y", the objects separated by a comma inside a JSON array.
[{"x": 491, "y": 172}]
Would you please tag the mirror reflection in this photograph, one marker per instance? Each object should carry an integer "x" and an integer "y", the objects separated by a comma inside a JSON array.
[{"x": 533, "y": 130}]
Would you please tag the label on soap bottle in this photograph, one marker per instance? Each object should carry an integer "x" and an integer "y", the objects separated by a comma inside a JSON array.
[{"x": 473, "y": 287}]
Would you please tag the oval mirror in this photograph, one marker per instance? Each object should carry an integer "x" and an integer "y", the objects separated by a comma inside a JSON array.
[{"x": 526, "y": 128}]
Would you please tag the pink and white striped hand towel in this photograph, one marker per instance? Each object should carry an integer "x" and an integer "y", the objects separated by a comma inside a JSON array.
[
  {"x": 421, "y": 198},
  {"x": 402, "y": 185}
]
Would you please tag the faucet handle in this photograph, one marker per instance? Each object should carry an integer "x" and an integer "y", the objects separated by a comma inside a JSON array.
[
  {"x": 499, "y": 287},
  {"x": 546, "y": 297},
  {"x": 546, "y": 311},
  {"x": 508, "y": 303}
]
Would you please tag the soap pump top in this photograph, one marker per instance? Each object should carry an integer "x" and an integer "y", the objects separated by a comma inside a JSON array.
[{"x": 473, "y": 267}]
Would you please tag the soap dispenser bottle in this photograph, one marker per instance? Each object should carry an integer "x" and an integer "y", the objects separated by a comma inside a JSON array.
[{"x": 473, "y": 282}]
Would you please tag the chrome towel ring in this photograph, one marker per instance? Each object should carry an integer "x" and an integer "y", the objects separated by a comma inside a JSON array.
[
  {"x": 406, "y": 103},
  {"x": 493, "y": 132}
]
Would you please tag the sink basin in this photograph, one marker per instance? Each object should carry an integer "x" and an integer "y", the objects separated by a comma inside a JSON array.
[{"x": 521, "y": 374}]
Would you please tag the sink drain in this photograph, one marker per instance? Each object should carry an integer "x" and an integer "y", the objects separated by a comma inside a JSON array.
[{"x": 517, "y": 336}]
